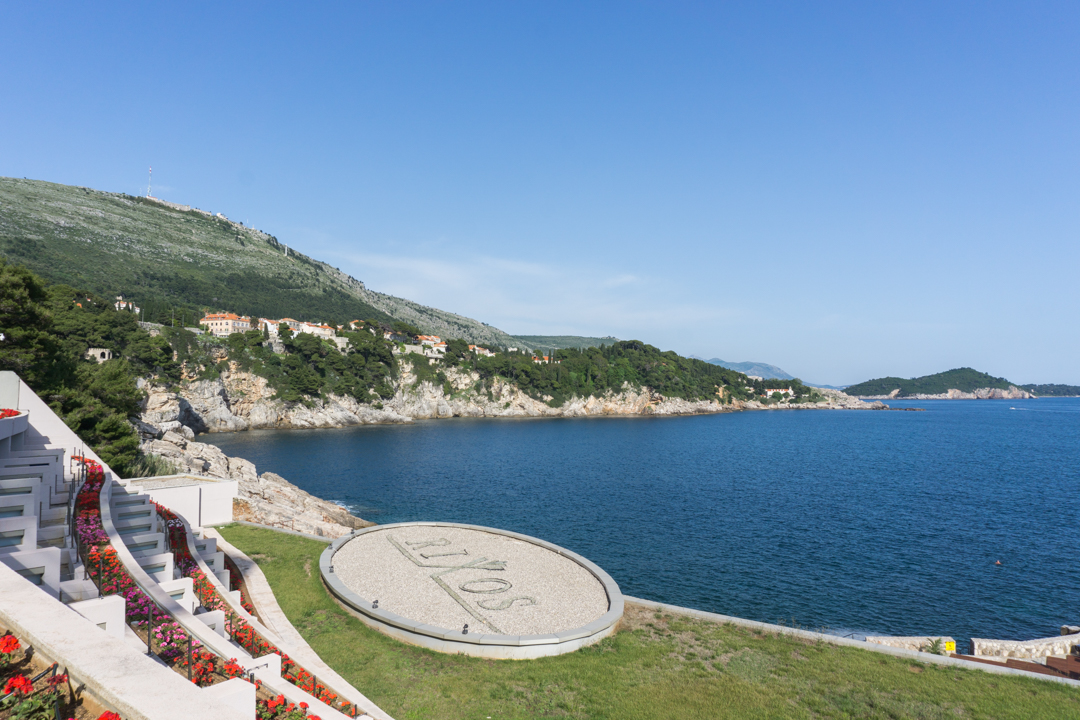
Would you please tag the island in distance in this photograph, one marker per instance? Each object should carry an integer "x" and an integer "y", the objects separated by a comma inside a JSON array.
[{"x": 958, "y": 384}]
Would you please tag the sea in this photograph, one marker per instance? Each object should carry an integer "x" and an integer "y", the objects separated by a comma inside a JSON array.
[{"x": 961, "y": 519}]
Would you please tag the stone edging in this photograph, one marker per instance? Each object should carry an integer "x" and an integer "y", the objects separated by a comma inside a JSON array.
[
  {"x": 274, "y": 619},
  {"x": 847, "y": 642},
  {"x": 516, "y": 647},
  {"x": 309, "y": 536}
]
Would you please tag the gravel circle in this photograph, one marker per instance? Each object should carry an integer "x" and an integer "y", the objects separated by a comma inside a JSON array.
[{"x": 507, "y": 587}]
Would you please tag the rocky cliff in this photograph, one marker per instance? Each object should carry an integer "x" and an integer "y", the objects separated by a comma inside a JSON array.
[
  {"x": 242, "y": 401},
  {"x": 1012, "y": 393},
  {"x": 268, "y": 499}
]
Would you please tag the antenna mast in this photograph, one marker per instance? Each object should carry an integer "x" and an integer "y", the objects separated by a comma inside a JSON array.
[{"x": 150, "y": 181}]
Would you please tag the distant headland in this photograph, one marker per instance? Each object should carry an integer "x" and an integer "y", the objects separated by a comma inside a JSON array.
[{"x": 958, "y": 384}]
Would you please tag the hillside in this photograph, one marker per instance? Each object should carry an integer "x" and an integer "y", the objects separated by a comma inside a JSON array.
[
  {"x": 962, "y": 379},
  {"x": 175, "y": 261},
  {"x": 558, "y": 342},
  {"x": 762, "y": 370}
]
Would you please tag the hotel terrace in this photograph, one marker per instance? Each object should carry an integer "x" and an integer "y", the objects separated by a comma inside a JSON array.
[{"x": 116, "y": 592}]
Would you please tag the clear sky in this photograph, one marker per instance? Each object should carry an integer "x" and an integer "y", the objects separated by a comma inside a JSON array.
[{"x": 844, "y": 190}]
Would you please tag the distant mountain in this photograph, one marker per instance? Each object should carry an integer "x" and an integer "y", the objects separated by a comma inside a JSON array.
[
  {"x": 761, "y": 370},
  {"x": 962, "y": 379},
  {"x": 175, "y": 261},
  {"x": 548, "y": 342}
]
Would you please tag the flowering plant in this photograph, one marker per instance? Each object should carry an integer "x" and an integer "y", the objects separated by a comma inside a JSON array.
[
  {"x": 8, "y": 412},
  {"x": 279, "y": 708},
  {"x": 203, "y": 664},
  {"x": 9, "y": 645},
  {"x": 22, "y": 702},
  {"x": 18, "y": 685}
]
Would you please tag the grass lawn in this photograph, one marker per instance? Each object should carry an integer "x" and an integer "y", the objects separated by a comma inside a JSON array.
[{"x": 657, "y": 666}]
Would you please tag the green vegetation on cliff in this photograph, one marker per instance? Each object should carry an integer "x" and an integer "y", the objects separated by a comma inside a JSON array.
[
  {"x": 963, "y": 379},
  {"x": 596, "y": 371},
  {"x": 47, "y": 330}
]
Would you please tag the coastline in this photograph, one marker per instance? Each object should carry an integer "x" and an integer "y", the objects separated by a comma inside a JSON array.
[
  {"x": 243, "y": 401},
  {"x": 175, "y": 426}
]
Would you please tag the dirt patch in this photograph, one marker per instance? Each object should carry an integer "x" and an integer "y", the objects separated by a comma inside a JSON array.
[{"x": 307, "y": 567}]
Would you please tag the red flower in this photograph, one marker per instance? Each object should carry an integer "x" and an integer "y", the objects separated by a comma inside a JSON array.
[
  {"x": 18, "y": 684},
  {"x": 304, "y": 705},
  {"x": 108, "y": 715},
  {"x": 9, "y": 644}
]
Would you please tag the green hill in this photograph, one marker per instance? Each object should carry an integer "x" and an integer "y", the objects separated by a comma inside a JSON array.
[
  {"x": 175, "y": 262},
  {"x": 963, "y": 379},
  {"x": 558, "y": 342}
]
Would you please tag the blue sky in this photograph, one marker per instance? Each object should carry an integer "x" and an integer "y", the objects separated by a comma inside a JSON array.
[{"x": 843, "y": 190}]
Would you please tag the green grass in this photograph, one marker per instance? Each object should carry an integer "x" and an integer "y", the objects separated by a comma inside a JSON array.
[{"x": 657, "y": 666}]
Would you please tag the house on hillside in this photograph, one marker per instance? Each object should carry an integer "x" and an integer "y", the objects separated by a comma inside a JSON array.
[
  {"x": 318, "y": 329},
  {"x": 99, "y": 355},
  {"x": 435, "y": 351},
  {"x": 122, "y": 304},
  {"x": 782, "y": 391},
  {"x": 225, "y": 324},
  {"x": 269, "y": 326},
  {"x": 294, "y": 325},
  {"x": 481, "y": 351}
]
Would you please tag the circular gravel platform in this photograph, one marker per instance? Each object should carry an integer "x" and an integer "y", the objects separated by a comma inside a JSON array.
[{"x": 473, "y": 590}]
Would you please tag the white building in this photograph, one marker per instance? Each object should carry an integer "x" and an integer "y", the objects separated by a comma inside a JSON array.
[
  {"x": 318, "y": 329},
  {"x": 225, "y": 324},
  {"x": 122, "y": 304}
]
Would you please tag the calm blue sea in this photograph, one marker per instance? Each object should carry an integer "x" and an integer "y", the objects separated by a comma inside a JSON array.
[{"x": 867, "y": 522}]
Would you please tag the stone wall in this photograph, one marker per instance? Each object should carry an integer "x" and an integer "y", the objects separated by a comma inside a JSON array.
[{"x": 1058, "y": 646}]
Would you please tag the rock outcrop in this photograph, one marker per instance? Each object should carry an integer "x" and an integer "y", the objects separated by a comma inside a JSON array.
[
  {"x": 242, "y": 401},
  {"x": 268, "y": 499}
]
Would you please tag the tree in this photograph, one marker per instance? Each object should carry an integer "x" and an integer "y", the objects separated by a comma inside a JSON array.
[
  {"x": 27, "y": 344},
  {"x": 404, "y": 328}
]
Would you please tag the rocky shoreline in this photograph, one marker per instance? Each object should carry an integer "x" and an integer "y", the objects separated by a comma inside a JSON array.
[
  {"x": 1013, "y": 393},
  {"x": 244, "y": 401},
  {"x": 171, "y": 419}
]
